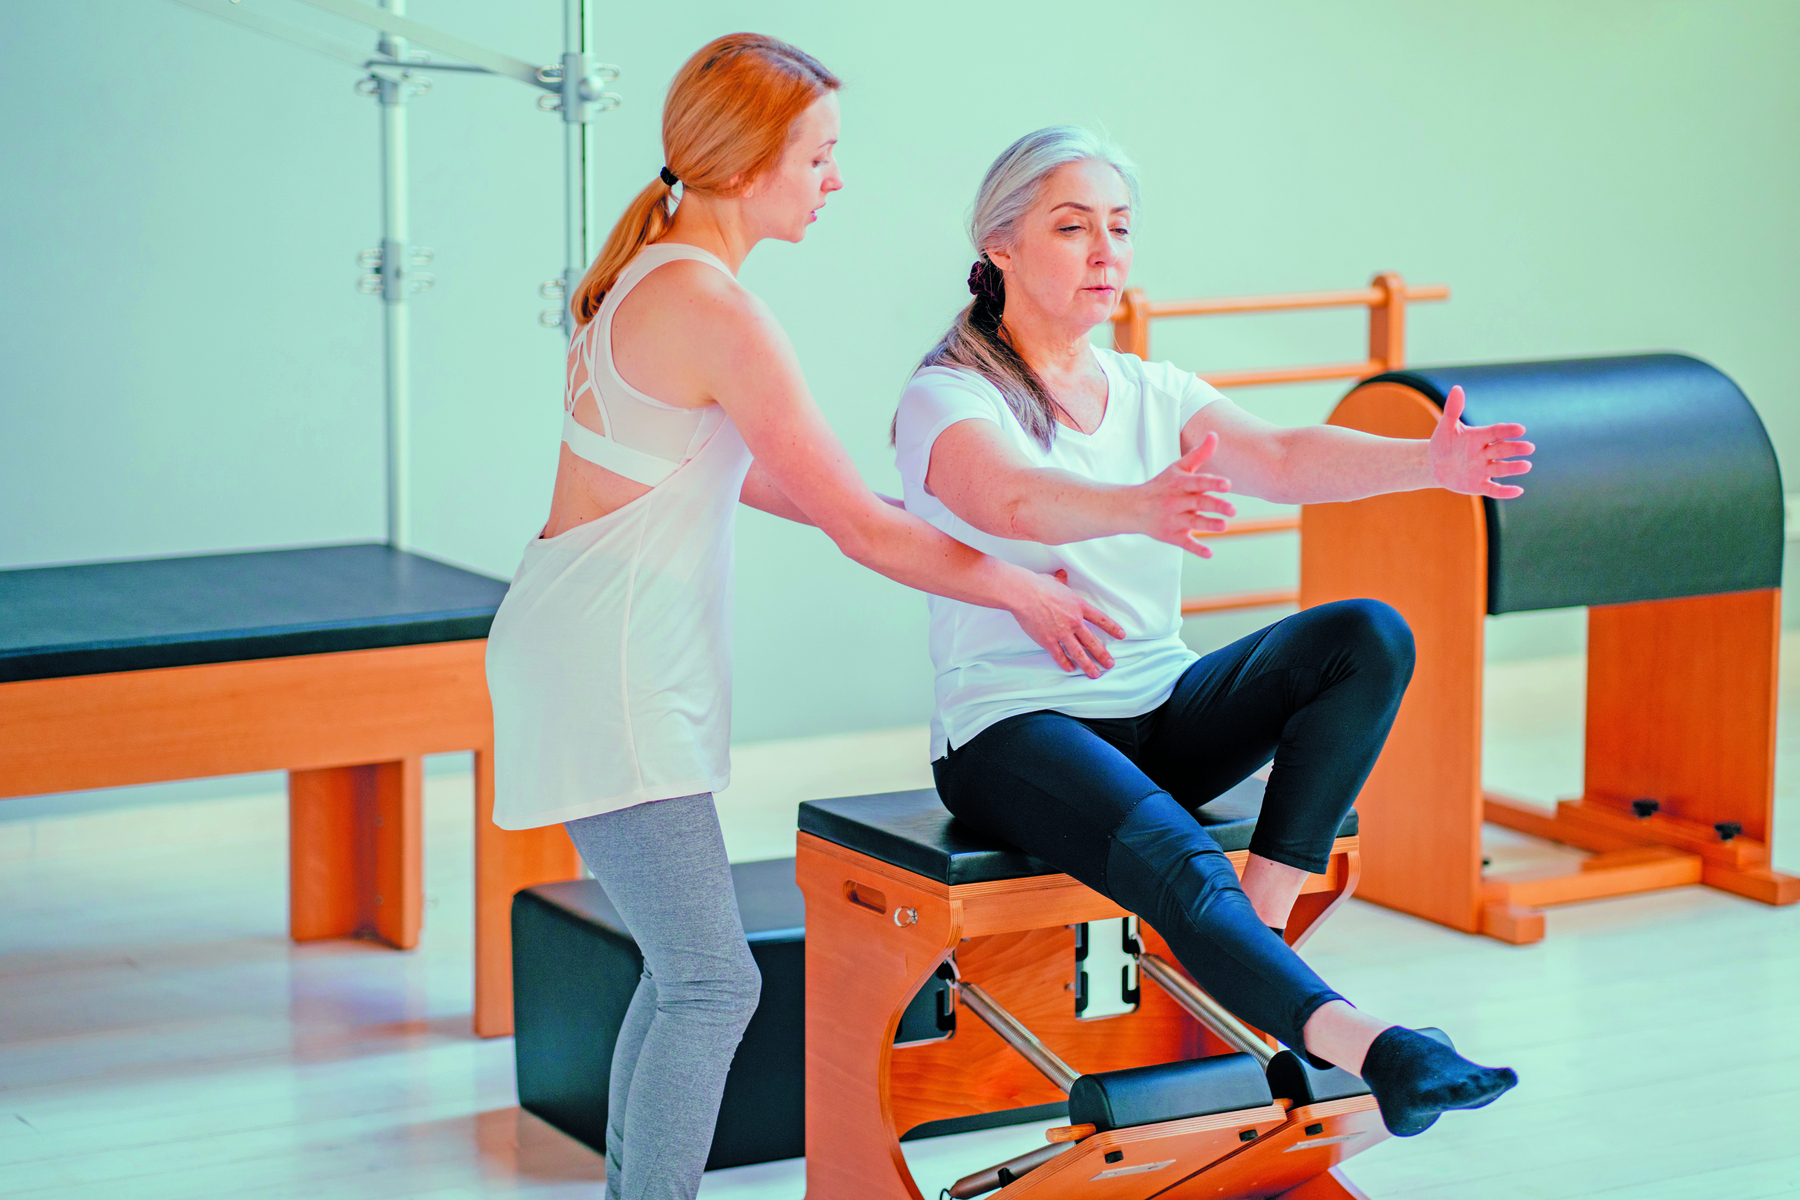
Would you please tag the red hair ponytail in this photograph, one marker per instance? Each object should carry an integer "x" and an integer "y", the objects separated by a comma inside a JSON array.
[{"x": 726, "y": 121}]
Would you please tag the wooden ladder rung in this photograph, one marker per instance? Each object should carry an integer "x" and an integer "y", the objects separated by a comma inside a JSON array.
[{"x": 1227, "y": 601}]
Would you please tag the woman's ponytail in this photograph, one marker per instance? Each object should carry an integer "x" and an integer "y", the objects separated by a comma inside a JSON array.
[
  {"x": 976, "y": 342},
  {"x": 726, "y": 121},
  {"x": 646, "y": 219}
]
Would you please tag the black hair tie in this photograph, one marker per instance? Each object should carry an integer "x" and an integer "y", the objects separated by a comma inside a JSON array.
[
  {"x": 669, "y": 177},
  {"x": 988, "y": 286}
]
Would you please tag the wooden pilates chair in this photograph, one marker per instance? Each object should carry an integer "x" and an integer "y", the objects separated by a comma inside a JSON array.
[
  {"x": 942, "y": 982},
  {"x": 1655, "y": 502}
]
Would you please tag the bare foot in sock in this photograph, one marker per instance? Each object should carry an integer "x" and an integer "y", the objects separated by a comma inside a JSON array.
[{"x": 1415, "y": 1078}]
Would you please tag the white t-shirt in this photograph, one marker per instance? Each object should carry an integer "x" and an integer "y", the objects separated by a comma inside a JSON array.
[{"x": 987, "y": 669}]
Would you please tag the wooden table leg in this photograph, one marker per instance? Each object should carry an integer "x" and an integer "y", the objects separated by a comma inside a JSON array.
[
  {"x": 506, "y": 862},
  {"x": 355, "y": 864}
]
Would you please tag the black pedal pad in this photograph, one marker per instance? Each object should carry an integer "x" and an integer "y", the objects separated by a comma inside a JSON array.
[
  {"x": 1168, "y": 1092},
  {"x": 1293, "y": 1078}
]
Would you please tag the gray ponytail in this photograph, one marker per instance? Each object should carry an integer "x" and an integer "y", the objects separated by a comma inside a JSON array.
[{"x": 975, "y": 340}]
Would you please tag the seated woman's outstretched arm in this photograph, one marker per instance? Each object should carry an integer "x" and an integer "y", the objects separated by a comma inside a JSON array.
[
  {"x": 982, "y": 479},
  {"x": 1322, "y": 464}
]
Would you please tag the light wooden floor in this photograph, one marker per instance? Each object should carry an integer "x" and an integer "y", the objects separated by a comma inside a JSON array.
[{"x": 159, "y": 1037}]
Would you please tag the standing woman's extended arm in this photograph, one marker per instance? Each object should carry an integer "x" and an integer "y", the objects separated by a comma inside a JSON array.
[{"x": 742, "y": 358}]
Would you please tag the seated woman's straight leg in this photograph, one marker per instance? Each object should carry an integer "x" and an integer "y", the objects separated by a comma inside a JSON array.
[
  {"x": 1317, "y": 692},
  {"x": 664, "y": 868},
  {"x": 1067, "y": 791}
]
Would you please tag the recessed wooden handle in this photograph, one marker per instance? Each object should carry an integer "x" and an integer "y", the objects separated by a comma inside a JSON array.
[
  {"x": 864, "y": 896},
  {"x": 1069, "y": 1133}
]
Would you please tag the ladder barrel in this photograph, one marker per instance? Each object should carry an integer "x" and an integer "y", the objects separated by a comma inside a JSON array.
[
  {"x": 1653, "y": 479},
  {"x": 1655, "y": 502}
]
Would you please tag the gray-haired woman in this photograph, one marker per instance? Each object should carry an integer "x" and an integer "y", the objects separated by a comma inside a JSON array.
[{"x": 1020, "y": 438}]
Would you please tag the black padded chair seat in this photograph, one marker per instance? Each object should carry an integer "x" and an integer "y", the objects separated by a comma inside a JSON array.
[
  {"x": 914, "y": 831},
  {"x": 96, "y": 618}
]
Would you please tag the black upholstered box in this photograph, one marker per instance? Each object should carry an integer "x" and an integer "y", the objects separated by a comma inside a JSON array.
[{"x": 574, "y": 970}]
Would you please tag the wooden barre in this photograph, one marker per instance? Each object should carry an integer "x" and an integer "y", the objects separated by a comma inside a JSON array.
[
  {"x": 1386, "y": 298},
  {"x": 1268, "y": 375},
  {"x": 1227, "y": 601},
  {"x": 1369, "y": 297},
  {"x": 1251, "y": 526}
]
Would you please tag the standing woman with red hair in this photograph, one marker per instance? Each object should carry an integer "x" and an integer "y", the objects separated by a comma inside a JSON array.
[{"x": 609, "y": 663}]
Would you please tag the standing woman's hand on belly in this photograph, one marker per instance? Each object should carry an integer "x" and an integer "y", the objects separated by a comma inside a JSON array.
[{"x": 1058, "y": 620}]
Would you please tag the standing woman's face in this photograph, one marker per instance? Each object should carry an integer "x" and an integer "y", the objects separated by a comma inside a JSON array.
[
  {"x": 787, "y": 199},
  {"x": 1072, "y": 251}
]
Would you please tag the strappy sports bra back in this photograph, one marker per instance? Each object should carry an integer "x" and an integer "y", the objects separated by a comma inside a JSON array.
[{"x": 644, "y": 439}]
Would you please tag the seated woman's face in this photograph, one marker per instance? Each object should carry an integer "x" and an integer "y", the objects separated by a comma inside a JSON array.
[{"x": 1073, "y": 249}]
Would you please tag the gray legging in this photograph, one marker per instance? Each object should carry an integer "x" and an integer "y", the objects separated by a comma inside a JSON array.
[{"x": 663, "y": 866}]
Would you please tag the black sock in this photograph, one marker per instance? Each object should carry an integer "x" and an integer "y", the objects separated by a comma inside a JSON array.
[{"x": 1415, "y": 1078}]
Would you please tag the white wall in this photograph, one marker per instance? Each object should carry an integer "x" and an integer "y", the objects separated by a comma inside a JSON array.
[{"x": 188, "y": 367}]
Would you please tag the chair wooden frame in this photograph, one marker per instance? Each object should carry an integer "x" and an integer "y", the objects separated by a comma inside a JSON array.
[
  {"x": 1386, "y": 298},
  {"x": 875, "y": 933},
  {"x": 350, "y": 729}
]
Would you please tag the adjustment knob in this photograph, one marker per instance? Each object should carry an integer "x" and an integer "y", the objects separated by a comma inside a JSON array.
[
  {"x": 1644, "y": 808},
  {"x": 1728, "y": 829}
]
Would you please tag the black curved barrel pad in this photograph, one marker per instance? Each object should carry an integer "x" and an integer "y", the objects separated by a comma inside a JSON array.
[{"x": 1653, "y": 479}]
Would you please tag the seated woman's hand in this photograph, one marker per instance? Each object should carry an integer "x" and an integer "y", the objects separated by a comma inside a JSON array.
[
  {"x": 1056, "y": 617},
  {"x": 1172, "y": 507},
  {"x": 1468, "y": 458}
]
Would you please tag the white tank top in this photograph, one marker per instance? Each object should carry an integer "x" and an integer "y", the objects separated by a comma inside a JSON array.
[
  {"x": 640, "y": 437},
  {"x": 609, "y": 662}
]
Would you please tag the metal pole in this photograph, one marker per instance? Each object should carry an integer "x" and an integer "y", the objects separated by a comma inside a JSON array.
[
  {"x": 576, "y": 89},
  {"x": 575, "y": 154},
  {"x": 396, "y": 256},
  {"x": 1012, "y": 1031},
  {"x": 1204, "y": 1009}
]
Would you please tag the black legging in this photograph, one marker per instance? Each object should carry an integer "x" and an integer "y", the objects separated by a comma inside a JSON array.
[{"x": 1110, "y": 800}]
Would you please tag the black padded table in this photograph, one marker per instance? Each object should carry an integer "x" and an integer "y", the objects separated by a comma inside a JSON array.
[
  {"x": 97, "y": 618},
  {"x": 342, "y": 665}
]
